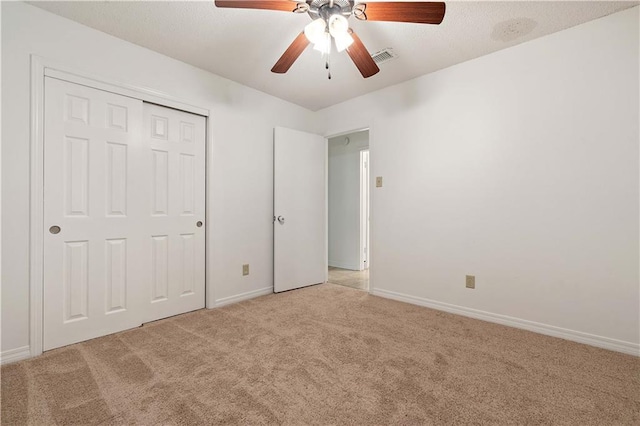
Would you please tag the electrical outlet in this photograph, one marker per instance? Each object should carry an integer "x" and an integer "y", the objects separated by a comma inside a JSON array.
[
  {"x": 379, "y": 182},
  {"x": 245, "y": 269},
  {"x": 470, "y": 281}
]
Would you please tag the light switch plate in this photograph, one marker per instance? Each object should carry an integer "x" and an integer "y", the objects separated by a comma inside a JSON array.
[
  {"x": 470, "y": 281},
  {"x": 379, "y": 182},
  {"x": 245, "y": 269}
]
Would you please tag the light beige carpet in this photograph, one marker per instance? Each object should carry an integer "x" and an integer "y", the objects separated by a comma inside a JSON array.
[{"x": 323, "y": 355}]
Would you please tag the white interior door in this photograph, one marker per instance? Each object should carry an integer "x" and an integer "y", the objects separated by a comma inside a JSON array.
[
  {"x": 176, "y": 213},
  {"x": 300, "y": 222},
  {"x": 92, "y": 213},
  {"x": 124, "y": 209}
]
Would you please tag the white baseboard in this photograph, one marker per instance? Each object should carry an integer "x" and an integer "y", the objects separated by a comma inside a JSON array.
[
  {"x": 243, "y": 296},
  {"x": 344, "y": 265},
  {"x": 15, "y": 355},
  {"x": 549, "y": 330}
]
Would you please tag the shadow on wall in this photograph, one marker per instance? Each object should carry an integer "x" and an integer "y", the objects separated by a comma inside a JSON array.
[{"x": 409, "y": 96}]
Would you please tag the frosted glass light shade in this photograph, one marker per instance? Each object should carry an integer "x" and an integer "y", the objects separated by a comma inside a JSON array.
[
  {"x": 323, "y": 45},
  {"x": 338, "y": 25},
  {"x": 343, "y": 41},
  {"x": 315, "y": 31}
]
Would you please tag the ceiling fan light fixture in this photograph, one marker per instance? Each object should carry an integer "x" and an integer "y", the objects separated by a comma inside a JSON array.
[
  {"x": 315, "y": 31},
  {"x": 338, "y": 25},
  {"x": 343, "y": 41},
  {"x": 323, "y": 45}
]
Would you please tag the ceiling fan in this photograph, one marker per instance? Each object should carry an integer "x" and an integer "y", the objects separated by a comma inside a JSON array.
[{"x": 330, "y": 26}]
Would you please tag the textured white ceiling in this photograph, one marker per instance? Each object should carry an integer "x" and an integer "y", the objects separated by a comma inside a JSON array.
[{"x": 243, "y": 45}]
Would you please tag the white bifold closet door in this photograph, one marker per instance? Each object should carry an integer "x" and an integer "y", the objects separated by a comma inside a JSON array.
[{"x": 123, "y": 198}]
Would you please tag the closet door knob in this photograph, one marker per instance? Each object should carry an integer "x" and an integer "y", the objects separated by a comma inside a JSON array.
[{"x": 55, "y": 229}]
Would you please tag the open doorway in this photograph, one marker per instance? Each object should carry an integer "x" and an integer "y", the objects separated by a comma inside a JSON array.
[{"x": 348, "y": 210}]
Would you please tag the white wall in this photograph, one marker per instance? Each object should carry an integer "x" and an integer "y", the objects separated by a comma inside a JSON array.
[
  {"x": 243, "y": 122},
  {"x": 522, "y": 168},
  {"x": 344, "y": 199}
]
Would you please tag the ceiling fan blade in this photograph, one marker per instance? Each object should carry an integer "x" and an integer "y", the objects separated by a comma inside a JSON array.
[
  {"x": 361, "y": 57},
  {"x": 401, "y": 11},
  {"x": 283, "y": 5},
  {"x": 291, "y": 54}
]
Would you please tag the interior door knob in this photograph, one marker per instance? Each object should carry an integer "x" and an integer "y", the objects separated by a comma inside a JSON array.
[
  {"x": 199, "y": 224},
  {"x": 55, "y": 229},
  {"x": 281, "y": 220}
]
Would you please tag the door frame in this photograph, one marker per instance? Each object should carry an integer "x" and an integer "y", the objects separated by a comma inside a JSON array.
[
  {"x": 371, "y": 196},
  {"x": 365, "y": 206},
  {"x": 41, "y": 68}
]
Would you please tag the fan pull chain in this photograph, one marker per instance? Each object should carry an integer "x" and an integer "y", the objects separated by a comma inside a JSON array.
[{"x": 328, "y": 66}]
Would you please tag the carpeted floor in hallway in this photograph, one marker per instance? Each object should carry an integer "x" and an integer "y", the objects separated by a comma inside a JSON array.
[{"x": 323, "y": 355}]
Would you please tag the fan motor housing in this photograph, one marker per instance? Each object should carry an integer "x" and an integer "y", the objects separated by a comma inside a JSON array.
[{"x": 324, "y": 10}]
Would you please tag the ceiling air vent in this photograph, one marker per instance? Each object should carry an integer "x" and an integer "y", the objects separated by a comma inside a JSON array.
[{"x": 384, "y": 55}]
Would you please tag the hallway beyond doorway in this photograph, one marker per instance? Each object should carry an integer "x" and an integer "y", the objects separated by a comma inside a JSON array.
[{"x": 349, "y": 278}]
